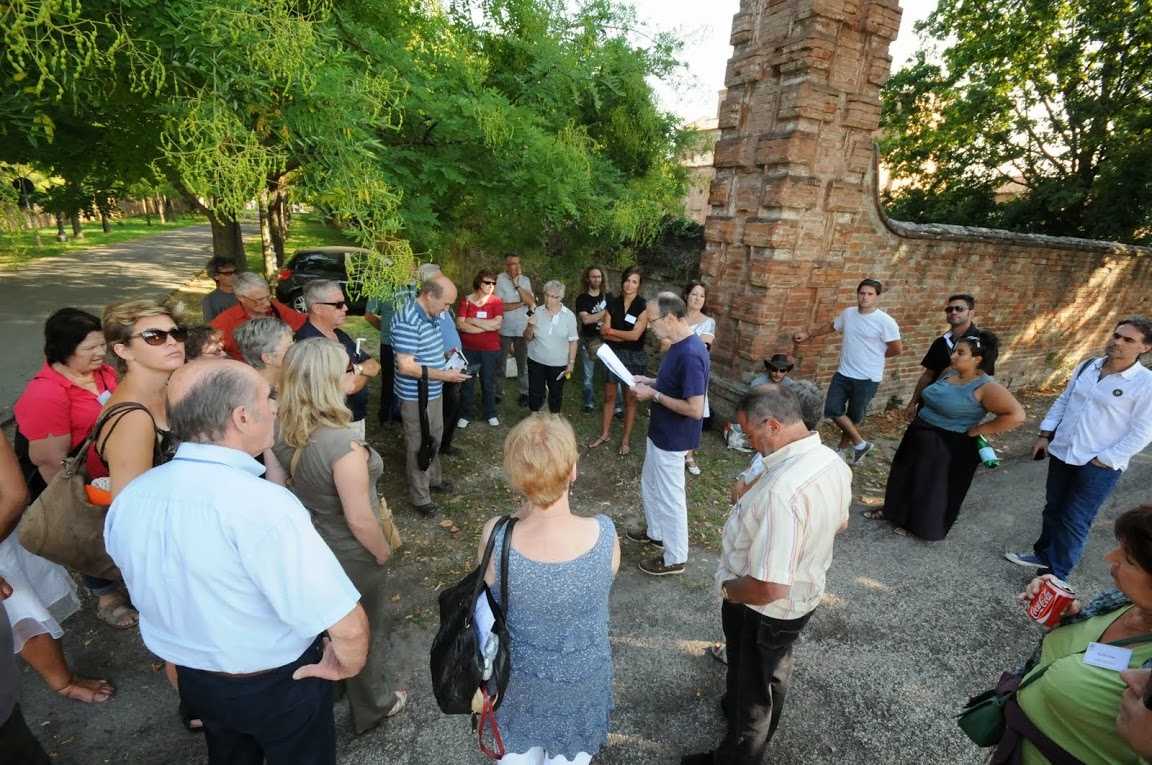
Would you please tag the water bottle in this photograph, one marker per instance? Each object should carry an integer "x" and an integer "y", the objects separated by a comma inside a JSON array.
[{"x": 987, "y": 453}]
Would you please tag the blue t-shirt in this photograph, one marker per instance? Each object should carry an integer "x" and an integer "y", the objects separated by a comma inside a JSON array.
[
  {"x": 358, "y": 401},
  {"x": 683, "y": 374},
  {"x": 415, "y": 333}
]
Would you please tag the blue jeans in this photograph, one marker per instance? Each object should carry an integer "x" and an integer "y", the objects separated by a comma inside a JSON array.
[
  {"x": 488, "y": 361},
  {"x": 269, "y": 719},
  {"x": 1073, "y": 496},
  {"x": 588, "y": 365}
]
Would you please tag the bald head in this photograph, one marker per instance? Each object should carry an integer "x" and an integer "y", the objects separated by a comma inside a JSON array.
[
  {"x": 437, "y": 293},
  {"x": 222, "y": 402}
]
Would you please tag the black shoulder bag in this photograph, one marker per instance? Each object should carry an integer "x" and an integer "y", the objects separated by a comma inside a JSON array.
[
  {"x": 428, "y": 445},
  {"x": 465, "y": 679}
]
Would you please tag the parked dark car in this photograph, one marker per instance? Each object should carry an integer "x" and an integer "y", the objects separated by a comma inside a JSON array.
[{"x": 312, "y": 263}]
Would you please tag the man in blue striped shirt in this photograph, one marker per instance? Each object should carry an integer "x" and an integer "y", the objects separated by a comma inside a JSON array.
[{"x": 418, "y": 345}]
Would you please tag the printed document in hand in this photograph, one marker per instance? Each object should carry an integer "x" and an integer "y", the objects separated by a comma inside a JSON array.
[
  {"x": 612, "y": 361},
  {"x": 456, "y": 360}
]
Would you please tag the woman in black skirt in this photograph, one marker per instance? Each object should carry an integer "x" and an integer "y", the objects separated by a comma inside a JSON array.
[
  {"x": 625, "y": 323},
  {"x": 937, "y": 458}
]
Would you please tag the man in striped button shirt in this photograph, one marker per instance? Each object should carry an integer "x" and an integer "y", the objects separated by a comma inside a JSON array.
[
  {"x": 775, "y": 553},
  {"x": 418, "y": 344}
]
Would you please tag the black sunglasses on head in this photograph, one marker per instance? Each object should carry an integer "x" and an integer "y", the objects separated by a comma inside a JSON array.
[{"x": 160, "y": 336}]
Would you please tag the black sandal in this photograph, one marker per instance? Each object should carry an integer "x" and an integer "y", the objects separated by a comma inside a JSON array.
[{"x": 186, "y": 718}]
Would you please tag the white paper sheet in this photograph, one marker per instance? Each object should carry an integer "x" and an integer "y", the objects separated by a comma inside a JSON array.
[{"x": 612, "y": 361}]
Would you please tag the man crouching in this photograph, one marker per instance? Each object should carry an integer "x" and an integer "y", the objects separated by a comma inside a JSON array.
[{"x": 233, "y": 584}]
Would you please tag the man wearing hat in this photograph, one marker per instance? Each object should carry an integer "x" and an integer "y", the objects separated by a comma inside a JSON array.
[{"x": 776, "y": 371}]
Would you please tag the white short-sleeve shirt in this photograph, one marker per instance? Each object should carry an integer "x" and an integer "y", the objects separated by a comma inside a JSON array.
[{"x": 866, "y": 338}]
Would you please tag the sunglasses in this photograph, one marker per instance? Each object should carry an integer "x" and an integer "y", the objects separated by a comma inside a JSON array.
[
  {"x": 488, "y": 281},
  {"x": 160, "y": 336},
  {"x": 226, "y": 273},
  {"x": 955, "y": 309},
  {"x": 337, "y": 304}
]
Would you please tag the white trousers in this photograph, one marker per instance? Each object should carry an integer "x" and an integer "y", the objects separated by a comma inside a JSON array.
[
  {"x": 665, "y": 506},
  {"x": 537, "y": 756}
]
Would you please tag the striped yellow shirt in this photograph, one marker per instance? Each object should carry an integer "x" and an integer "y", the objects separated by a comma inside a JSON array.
[{"x": 782, "y": 530}]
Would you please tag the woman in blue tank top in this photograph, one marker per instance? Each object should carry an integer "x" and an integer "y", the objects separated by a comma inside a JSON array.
[
  {"x": 560, "y": 569},
  {"x": 937, "y": 457}
]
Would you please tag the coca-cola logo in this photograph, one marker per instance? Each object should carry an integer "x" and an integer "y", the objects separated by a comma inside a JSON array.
[{"x": 1043, "y": 600}]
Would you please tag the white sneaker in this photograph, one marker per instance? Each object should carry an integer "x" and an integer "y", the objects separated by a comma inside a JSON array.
[
  {"x": 493, "y": 421},
  {"x": 462, "y": 423}
]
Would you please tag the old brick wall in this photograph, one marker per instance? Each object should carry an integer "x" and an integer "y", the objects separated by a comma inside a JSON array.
[{"x": 795, "y": 222}]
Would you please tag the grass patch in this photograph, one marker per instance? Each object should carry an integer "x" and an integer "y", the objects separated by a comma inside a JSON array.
[{"x": 17, "y": 247}]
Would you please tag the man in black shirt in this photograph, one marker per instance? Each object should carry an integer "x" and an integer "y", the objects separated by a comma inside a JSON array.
[
  {"x": 958, "y": 313},
  {"x": 590, "y": 306}
]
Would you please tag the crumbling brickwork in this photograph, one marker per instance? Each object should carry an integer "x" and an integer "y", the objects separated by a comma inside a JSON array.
[{"x": 795, "y": 223}]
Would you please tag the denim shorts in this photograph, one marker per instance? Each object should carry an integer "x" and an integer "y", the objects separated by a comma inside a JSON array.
[{"x": 847, "y": 395}]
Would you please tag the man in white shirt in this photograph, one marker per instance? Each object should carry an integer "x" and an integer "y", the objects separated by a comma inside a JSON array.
[
  {"x": 870, "y": 337},
  {"x": 775, "y": 553},
  {"x": 232, "y": 582},
  {"x": 1100, "y": 421},
  {"x": 514, "y": 288}
]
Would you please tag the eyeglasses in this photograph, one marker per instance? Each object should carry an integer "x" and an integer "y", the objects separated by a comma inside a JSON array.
[
  {"x": 265, "y": 299},
  {"x": 488, "y": 281},
  {"x": 955, "y": 309},
  {"x": 226, "y": 273},
  {"x": 554, "y": 297},
  {"x": 339, "y": 304},
  {"x": 160, "y": 336}
]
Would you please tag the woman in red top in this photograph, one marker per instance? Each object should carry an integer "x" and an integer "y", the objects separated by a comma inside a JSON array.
[{"x": 479, "y": 320}]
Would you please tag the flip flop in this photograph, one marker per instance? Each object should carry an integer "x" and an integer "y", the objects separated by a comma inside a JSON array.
[
  {"x": 719, "y": 652},
  {"x": 624, "y": 449},
  {"x": 874, "y": 515},
  {"x": 899, "y": 531},
  {"x": 598, "y": 442}
]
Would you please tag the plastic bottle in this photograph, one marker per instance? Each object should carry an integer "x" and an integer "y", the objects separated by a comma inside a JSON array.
[{"x": 987, "y": 453}]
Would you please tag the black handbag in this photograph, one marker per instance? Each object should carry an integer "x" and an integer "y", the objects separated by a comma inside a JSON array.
[
  {"x": 464, "y": 681},
  {"x": 428, "y": 445}
]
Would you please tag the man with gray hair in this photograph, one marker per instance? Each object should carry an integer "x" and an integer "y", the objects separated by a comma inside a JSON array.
[
  {"x": 515, "y": 289},
  {"x": 327, "y": 310},
  {"x": 677, "y": 396},
  {"x": 775, "y": 552},
  {"x": 233, "y": 584},
  {"x": 255, "y": 302},
  {"x": 419, "y": 345}
]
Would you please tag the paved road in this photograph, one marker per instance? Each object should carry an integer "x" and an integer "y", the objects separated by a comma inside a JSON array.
[{"x": 144, "y": 268}]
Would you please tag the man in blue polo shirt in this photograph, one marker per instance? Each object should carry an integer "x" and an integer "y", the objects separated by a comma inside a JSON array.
[
  {"x": 419, "y": 344},
  {"x": 677, "y": 396}
]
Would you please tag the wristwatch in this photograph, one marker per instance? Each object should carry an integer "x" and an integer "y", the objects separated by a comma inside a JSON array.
[
  {"x": 358, "y": 368},
  {"x": 724, "y": 592},
  {"x": 656, "y": 397}
]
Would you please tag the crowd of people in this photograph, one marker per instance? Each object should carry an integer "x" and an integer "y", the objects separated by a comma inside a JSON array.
[{"x": 234, "y": 450}]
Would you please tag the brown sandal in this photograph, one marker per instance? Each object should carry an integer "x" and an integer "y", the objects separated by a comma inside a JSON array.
[
  {"x": 599, "y": 441},
  {"x": 86, "y": 690},
  {"x": 874, "y": 515}
]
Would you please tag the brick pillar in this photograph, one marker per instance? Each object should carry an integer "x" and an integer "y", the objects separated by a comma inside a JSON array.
[{"x": 792, "y": 202}]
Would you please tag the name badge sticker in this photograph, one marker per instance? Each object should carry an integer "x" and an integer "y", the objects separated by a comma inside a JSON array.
[
  {"x": 102, "y": 399},
  {"x": 630, "y": 318},
  {"x": 1105, "y": 656},
  {"x": 481, "y": 314}
]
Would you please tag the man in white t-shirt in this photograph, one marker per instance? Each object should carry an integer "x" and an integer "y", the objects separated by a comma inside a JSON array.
[{"x": 870, "y": 336}]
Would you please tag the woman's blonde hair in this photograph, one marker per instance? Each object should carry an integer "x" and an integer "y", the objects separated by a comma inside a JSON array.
[
  {"x": 538, "y": 457},
  {"x": 118, "y": 323},
  {"x": 309, "y": 394}
]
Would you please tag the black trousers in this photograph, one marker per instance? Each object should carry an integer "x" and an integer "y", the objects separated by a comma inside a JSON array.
[
  {"x": 389, "y": 408},
  {"x": 541, "y": 377},
  {"x": 17, "y": 744},
  {"x": 451, "y": 397},
  {"x": 759, "y": 670},
  {"x": 267, "y": 718}
]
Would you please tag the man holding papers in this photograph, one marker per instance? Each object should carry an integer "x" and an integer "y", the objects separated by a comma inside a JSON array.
[{"x": 677, "y": 396}]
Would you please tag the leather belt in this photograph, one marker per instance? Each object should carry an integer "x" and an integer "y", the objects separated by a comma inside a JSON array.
[{"x": 239, "y": 675}]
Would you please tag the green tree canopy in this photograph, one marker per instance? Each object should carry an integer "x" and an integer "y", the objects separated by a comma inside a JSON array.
[{"x": 1051, "y": 98}]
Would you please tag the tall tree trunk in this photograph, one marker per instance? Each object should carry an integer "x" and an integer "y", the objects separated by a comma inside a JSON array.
[
  {"x": 105, "y": 221},
  {"x": 77, "y": 226},
  {"x": 270, "y": 264},
  {"x": 145, "y": 203},
  {"x": 60, "y": 235},
  {"x": 277, "y": 219},
  {"x": 227, "y": 240},
  {"x": 161, "y": 202}
]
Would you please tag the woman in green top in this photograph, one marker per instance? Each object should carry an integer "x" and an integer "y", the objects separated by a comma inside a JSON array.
[{"x": 1075, "y": 703}]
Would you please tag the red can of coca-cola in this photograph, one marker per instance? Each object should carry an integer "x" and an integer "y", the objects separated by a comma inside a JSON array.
[{"x": 1051, "y": 602}]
